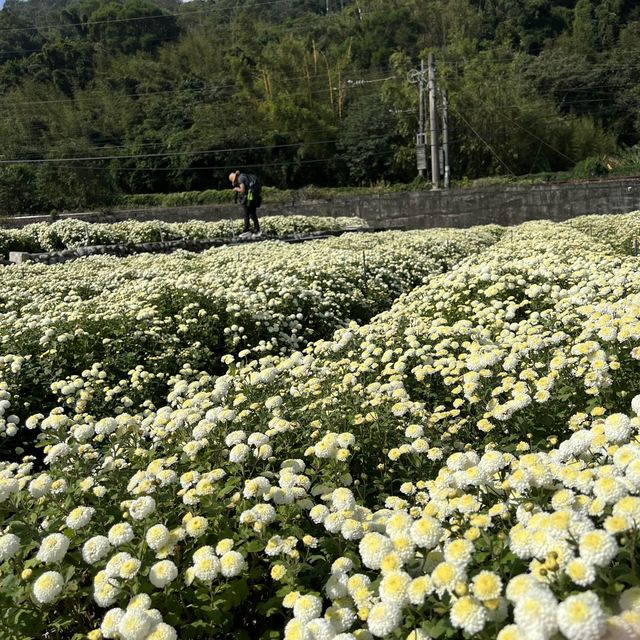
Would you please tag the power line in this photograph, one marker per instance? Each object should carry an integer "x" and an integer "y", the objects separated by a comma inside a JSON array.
[
  {"x": 175, "y": 153},
  {"x": 262, "y": 165},
  {"x": 564, "y": 155},
  {"x": 297, "y": 24},
  {"x": 42, "y": 127},
  {"x": 256, "y": 77},
  {"x": 132, "y": 19},
  {"x": 484, "y": 142}
]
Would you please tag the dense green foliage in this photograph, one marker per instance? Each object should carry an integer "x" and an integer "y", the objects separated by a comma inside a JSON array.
[{"x": 144, "y": 96}]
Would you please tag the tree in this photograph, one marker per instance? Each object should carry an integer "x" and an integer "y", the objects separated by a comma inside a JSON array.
[
  {"x": 366, "y": 139},
  {"x": 134, "y": 25}
]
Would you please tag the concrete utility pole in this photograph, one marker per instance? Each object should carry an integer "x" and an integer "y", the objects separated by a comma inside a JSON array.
[
  {"x": 418, "y": 76},
  {"x": 445, "y": 140},
  {"x": 433, "y": 121}
]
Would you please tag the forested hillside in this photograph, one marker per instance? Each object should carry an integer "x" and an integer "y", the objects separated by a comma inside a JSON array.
[{"x": 138, "y": 96}]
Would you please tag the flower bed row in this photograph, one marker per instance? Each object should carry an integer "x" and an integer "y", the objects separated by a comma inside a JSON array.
[
  {"x": 104, "y": 334},
  {"x": 71, "y": 234},
  {"x": 466, "y": 465},
  {"x": 620, "y": 231}
]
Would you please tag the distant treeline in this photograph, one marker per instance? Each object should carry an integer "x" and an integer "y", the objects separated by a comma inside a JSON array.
[{"x": 100, "y": 100}]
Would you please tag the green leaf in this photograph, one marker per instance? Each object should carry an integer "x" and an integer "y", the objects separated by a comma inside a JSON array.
[{"x": 254, "y": 546}]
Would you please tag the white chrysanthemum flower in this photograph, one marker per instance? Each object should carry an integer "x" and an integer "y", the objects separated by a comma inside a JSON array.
[
  {"x": 9, "y": 545},
  {"x": 239, "y": 453},
  {"x": 142, "y": 507},
  {"x": 522, "y": 585},
  {"x": 343, "y": 499},
  {"x": 511, "y": 632},
  {"x": 458, "y": 552},
  {"x": 419, "y": 589},
  {"x": 617, "y": 427},
  {"x": 609, "y": 489},
  {"x": 79, "y": 517},
  {"x": 206, "y": 567},
  {"x": 264, "y": 513},
  {"x": 426, "y": 532},
  {"x": 135, "y": 624},
  {"x": 336, "y": 586},
  {"x": 157, "y": 537},
  {"x": 398, "y": 524},
  {"x": 342, "y": 565},
  {"x": 53, "y": 548},
  {"x": 417, "y": 634},
  {"x": 537, "y": 610},
  {"x": 48, "y": 587},
  {"x": 162, "y": 631},
  {"x": 383, "y": 619},
  {"x": 110, "y": 622},
  {"x": 341, "y": 619},
  {"x": 121, "y": 533},
  {"x": 630, "y": 599},
  {"x": 296, "y": 630},
  {"x": 83, "y": 432},
  {"x": 486, "y": 585},
  {"x": 351, "y": 529},
  {"x": 520, "y": 542},
  {"x": 196, "y": 526},
  {"x": 393, "y": 588},
  {"x": 563, "y": 499},
  {"x": 234, "y": 438},
  {"x": 8, "y": 486},
  {"x": 357, "y": 581},
  {"x": 598, "y": 547},
  {"x": 40, "y": 486},
  {"x": 256, "y": 487},
  {"x": 106, "y": 426},
  {"x": 162, "y": 573},
  {"x": 232, "y": 564},
  {"x": 581, "y": 617},
  {"x": 307, "y": 608},
  {"x": 114, "y": 565},
  {"x": 318, "y": 513},
  {"x": 140, "y": 601},
  {"x": 373, "y": 547},
  {"x": 445, "y": 575},
  {"x": 105, "y": 593},
  {"x": 580, "y": 572},
  {"x": 95, "y": 549},
  {"x": 468, "y": 614},
  {"x": 224, "y": 545},
  {"x": 56, "y": 452}
]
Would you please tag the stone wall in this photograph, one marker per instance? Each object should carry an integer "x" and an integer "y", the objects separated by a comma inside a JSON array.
[{"x": 504, "y": 205}]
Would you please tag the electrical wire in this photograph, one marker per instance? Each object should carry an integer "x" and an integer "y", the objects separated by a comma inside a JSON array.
[
  {"x": 176, "y": 153},
  {"x": 186, "y": 12},
  {"x": 493, "y": 151}
]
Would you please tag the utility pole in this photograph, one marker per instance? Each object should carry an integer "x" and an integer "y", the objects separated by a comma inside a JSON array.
[
  {"x": 433, "y": 121},
  {"x": 445, "y": 140},
  {"x": 418, "y": 76}
]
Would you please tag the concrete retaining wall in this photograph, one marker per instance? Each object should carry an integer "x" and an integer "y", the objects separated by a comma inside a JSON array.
[{"x": 504, "y": 205}]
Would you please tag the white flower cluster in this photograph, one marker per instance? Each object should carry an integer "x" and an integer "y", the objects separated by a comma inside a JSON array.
[
  {"x": 130, "y": 321},
  {"x": 69, "y": 234},
  {"x": 466, "y": 463}
]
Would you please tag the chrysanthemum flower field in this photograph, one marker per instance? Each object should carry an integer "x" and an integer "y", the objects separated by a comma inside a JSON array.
[
  {"x": 70, "y": 234},
  {"x": 464, "y": 463}
]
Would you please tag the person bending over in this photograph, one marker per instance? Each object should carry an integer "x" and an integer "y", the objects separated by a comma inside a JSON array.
[{"x": 247, "y": 187}]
